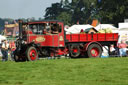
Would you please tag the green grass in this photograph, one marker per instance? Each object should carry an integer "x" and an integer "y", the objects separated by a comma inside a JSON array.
[{"x": 90, "y": 71}]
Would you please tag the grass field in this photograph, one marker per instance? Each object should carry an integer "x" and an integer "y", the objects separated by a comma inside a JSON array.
[{"x": 88, "y": 71}]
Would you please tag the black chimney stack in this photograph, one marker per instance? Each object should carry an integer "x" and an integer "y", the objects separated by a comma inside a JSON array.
[{"x": 20, "y": 29}]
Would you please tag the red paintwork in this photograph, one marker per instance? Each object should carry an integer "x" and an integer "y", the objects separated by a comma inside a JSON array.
[
  {"x": 33, "y": 54},
  {"x": 94, "y": 52},
  {"x": 51, "y": 40},
  {"x": 60, "y": 52},
  {"x": 90, "y": 37},
  {"x": 75, "y": 50}
]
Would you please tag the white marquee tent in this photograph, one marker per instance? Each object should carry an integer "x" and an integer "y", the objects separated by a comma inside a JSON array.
[
  {"x": 106, "y": 26},
  {"x": 123, "y": 31},
  {"x": 77, "y": 28}
]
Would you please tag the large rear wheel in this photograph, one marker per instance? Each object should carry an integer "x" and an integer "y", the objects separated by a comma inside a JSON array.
[
  {"x": 94, "y": 50},
  {"x": 32, "y": 54}
]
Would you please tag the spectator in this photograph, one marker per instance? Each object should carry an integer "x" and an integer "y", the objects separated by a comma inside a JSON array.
[
  {"x": 122, "y": 48},
  {"x": 4, "y": 50},
  {"x": 112, "y": 50},
  {"x": 12, "y": 49}
]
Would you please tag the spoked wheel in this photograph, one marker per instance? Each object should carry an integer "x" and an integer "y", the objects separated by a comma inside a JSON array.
[
  {"x": 75, "y": 51},
  {"x": 32, "y": 54},
  {"x": 94, "y": 50}
]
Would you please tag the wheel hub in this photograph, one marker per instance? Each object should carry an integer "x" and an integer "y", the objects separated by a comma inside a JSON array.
[
  {"x": 94, "y": 52},
  {"x": 33, "y": 54}
]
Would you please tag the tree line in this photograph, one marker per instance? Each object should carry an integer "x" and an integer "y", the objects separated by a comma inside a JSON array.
[{"x": 84, "y": 11}]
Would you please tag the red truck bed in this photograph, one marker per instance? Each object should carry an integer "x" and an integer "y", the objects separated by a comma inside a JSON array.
[{"x": 92, "y": 37}]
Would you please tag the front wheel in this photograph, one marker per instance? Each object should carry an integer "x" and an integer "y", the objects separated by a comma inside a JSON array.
[
  {"x": 94, "y": 50},
  {"x": 32, "y": 54}
]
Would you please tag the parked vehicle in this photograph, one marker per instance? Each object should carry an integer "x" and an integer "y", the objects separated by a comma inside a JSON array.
[{"x": 48, "y": 38}]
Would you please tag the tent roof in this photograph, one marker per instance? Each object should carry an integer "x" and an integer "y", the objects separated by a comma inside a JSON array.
[
  {"x": 77, "y": 28},
  {"x": 123, "y": 25},
  {"x": 104, "y": 26},
  {"x": 123, "y": 29}
]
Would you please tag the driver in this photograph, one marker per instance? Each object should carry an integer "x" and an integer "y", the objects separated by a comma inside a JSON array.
[{"x": 55, "y": 29}]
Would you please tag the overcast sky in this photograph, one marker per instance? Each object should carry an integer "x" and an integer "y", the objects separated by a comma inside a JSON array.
[{"x": 24, "y": 8}]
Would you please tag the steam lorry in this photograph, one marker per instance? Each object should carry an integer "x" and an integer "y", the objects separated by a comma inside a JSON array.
[{"x": 48, "y": 39}]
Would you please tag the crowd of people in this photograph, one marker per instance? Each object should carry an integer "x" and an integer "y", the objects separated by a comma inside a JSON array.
[
  {"x": 7, "y": 48},
  {"x": 120, "y": 50}
]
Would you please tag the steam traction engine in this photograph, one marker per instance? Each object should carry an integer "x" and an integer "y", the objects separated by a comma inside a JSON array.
[{"x": 47, "y": 38}]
